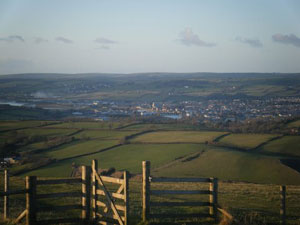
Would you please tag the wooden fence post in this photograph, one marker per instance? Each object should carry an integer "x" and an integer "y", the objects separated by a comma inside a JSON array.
[
  {"x": 86, "y": 192},
  {"x": 6, "y": 197},
  {"x": 126, "y": 194},
  {"x": 213, "y": 198},
  {"x": 95, "y": 187},
  {"x": 146, "y": 190},
  {"x": 31, "y": 200},
  {"x": 283, "y": 206}
]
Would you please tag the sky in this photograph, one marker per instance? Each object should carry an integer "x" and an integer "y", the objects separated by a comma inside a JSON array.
[{"x": 132, "y": 36}]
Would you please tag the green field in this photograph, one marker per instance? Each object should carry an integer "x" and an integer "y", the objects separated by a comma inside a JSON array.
[
  {"x": 47, "y": 132},
  {"x": 177, "y": 137},
  {"x": 79, "y": 148},
  {"x": 294, "y": 124},
  {"x": 88, "y": 125},
  {"x": 247, "y": 141},
  {"x": 103, "y": 134},
  {"x": 12, "y": 125},
  {"x": 289, "y": 145},
  {"x": 231, "y": 165},
  {"x": 159, "y": 126},
  {"x": 128, "y": 157}
]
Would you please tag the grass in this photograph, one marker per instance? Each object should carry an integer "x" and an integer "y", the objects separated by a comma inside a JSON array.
[
  {"x": 12, "y": 125},
  {"x": 79, "y": 148},
  {"x": 88, "y": 125},
  {"x": 247, "y": 141},
  {"x": 285, "y": 145},
  {"x": 106, "y": 134},
  {"x": 258, "y": 203},
  {"x": 177, "y": 137},
  {"x": 127, "y": 157},
  {"x": 157, "y": 126},
  {"x": 47, "y": 132},
  {"x": 233, "y": 165},
  {"x": 294, "y": 124}
]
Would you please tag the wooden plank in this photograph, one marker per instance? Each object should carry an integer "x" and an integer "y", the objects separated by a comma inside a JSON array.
[
  {"x": 59, "y": 208},
  {"x": 94, "y": 189},
  {"x": 191, "y": 215},
  {"x": 175, "y": 179},
  {"x": 86, "y": 192},
  {"x": 118, "y": 207},
  {"x": 31, "y": 200},
  {"x": 59, "y": 221},
  {"x": 59, "y": 181},
  {"x": 20, "y": 217},
  {"x": 109, "y": 200},
  {"x": 12, "y": 192},
  {"x": 226, "y": 214},
  {"x": 121, "y": 188},
  {"x": 112, "y": 180},
  {"x": 6, "y": 197},
  {"x": 179, "y": 192},
  {"x": 115, "y": 195},
  {"x": 282, "y": 205},
  {"x": 213, "y": 197},
  {"x": 146, "y": 190},
  {"x": 126, "y": 194},
  {"x": 58, "y": 195},
  {"x": 180, "y": 203}
]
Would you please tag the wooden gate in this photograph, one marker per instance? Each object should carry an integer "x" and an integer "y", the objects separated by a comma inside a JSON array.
[
  {"x": 109, "y": 206},
  {"x": 147, "y": 180}
]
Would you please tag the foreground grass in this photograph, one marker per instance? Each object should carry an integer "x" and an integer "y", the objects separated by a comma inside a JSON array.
[
  {"x": 248, "y": 203},
  {"x": 178, "y": 137}
]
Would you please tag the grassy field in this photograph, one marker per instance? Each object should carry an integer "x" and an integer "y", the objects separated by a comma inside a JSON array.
[
  {"x": 294, "y": 124},
  {"x": 159, "y": 126},
  {"x": 89, "y": 125},
  {"x": 233, "y": 165},
  {"x": 103, "y": 134},
  {"x": 47, "y": 132},
  {"x": 127, "y": 157},
  {"x": 12, "y": 125},
  {"x": 79, "y": 148},
  {"x": 178, "y": 137},
  {"x": 247, "y": 141},
  {"x": 249, "y": 203},
  {"x": 286, "y": 145}
]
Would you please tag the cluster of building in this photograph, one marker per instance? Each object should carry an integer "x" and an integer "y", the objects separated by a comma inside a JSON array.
[{"x": 220, "y": 110}]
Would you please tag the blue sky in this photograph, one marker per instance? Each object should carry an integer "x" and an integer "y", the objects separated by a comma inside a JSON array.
[{"x": 128, "y": 36}]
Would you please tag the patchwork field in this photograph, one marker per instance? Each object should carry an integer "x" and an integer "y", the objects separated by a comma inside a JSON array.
[
  {"x": 178, "y": 137},
  {"x": 171, "y": 152},
  {"x": 246, "y": 141}
]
